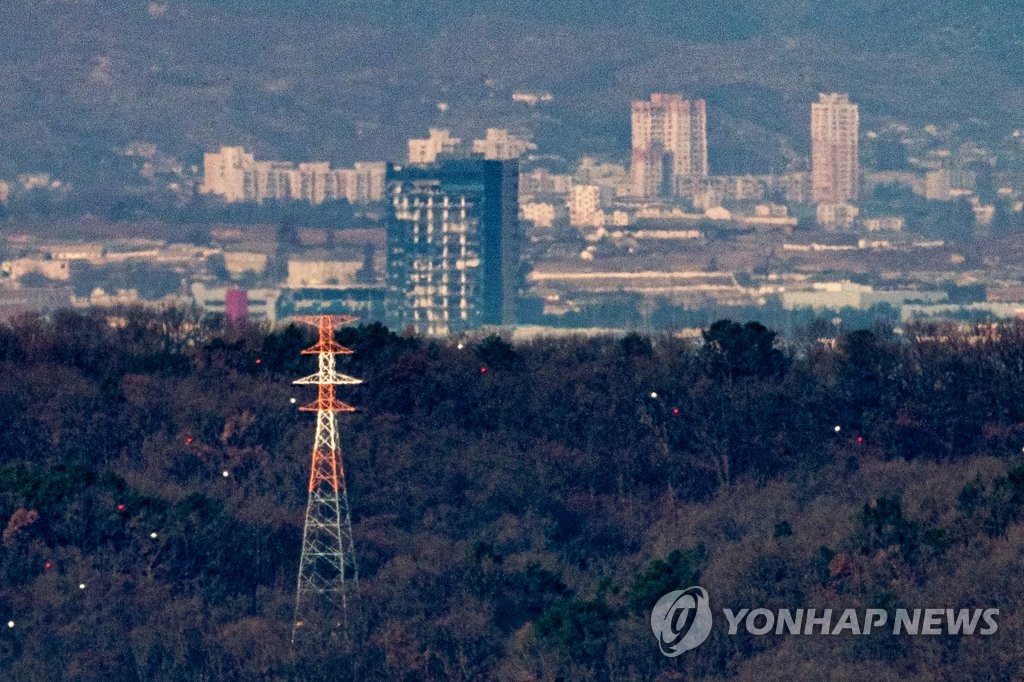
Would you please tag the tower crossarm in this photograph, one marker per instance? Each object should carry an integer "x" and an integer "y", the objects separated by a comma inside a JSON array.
[
  {"x": 328, "y": 378},
  {"x": 327, "y": 346},
  {"x": 327, "y": 406},
  {"x": 332, "y": 320}
]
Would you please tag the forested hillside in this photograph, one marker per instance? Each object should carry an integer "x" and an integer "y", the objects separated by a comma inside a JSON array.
[{"x": 516, "y": 523}]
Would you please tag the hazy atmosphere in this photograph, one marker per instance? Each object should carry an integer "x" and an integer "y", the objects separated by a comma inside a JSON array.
[{"x": 511, "y": 340}]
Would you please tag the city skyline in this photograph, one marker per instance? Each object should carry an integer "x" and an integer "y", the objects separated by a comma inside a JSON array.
[
  {"x": 669, "y": 153},
  {"x": 655, "y": 193}
]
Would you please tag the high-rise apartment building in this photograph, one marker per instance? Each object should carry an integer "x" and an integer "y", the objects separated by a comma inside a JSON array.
[
  {"x": 453, "y": 245},
  {"x": 670, "y": 141},
  {"x": 835, "y": 172}
]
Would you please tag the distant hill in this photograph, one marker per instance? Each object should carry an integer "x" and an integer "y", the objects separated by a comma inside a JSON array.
[{"x": 344, "y": 81}]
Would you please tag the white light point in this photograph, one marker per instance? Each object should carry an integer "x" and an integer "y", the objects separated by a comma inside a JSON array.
[
  {"x": 654, "y": 395},
  {"x": 225, "y": 473},
  {"x": 838, "y": 428},
  {"x": 153, "y": 535}
]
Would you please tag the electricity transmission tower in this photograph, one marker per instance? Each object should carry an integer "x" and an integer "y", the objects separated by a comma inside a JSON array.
[{"x": 327, "y": 569}]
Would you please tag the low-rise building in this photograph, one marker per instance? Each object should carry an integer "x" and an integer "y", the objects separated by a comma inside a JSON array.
[
  {"x": 261, "y": 303},
  {"x": 365, "y": 302},
  {"x": 238, "y": 263},
  {"x": 837, "y": 216},
  {"x": 893, "y": 223},
  {"x": 305, "y": 273},
  {"x": 541, "y": 182},
  {"x": 839, "y": 295},
  {"x": 500, "y": 145},
  {"x": 57, "y": 270},
  {"x": 426, "y": 150},
  {"x": 541, "y": 214}
]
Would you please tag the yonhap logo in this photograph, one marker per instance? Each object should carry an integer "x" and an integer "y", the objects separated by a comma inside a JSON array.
[{"x": 681, "y": 620}]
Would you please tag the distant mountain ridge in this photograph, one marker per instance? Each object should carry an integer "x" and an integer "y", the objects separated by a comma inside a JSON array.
[{"x": 345, "y": 81}]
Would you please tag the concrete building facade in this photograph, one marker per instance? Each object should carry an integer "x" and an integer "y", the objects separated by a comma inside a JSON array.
[
  {"x": 585, "y": 206},
  {"x": 236, "y": 176},
  {"x": 669, "y": 142},
  {"x": 426, "y": 150},
  {"x": 835, "y": 171},
  {"x": 501, "y": 145}
]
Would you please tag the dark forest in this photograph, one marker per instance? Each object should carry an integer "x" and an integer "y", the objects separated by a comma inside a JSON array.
[{"x": 517, "y": 508}]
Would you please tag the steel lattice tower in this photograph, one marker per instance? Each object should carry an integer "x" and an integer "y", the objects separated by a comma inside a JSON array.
[{"x": 327, "y": 569}]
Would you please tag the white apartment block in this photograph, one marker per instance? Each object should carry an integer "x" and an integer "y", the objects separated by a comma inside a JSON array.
[
  {"x": 835, "y": 173},
  {"x": 501, "y": 145},
  {"x": 893, "y": 223},
  {"x": 237, "y": 176},
  {"x": 426, "y": 150},
  {"x": 585, "y": 206},
  {"x": 541, "y": 214},
  {"x": 224, "y": 173},
  {"x": 532, "y": 98}
]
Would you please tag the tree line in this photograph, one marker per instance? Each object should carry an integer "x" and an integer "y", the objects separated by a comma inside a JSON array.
[{"x": 518, "y": 507}]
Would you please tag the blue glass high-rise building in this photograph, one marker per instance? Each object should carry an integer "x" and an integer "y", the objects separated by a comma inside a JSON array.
[{"x": 453, "y": 245}]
